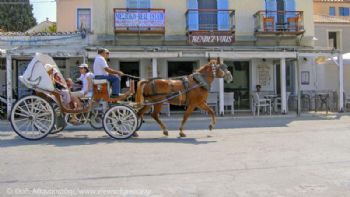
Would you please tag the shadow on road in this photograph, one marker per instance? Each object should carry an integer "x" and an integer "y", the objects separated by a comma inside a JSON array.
[{"x": 60, "y": 140}]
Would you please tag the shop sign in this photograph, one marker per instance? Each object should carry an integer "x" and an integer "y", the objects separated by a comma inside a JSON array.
[{"x": 211, "y": 38}]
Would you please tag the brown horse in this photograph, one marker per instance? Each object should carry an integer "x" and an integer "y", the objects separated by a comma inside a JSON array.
[{"x": 190, "y": 91}]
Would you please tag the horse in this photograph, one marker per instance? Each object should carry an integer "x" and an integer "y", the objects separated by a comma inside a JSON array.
[{"x": 190, "y": 91}]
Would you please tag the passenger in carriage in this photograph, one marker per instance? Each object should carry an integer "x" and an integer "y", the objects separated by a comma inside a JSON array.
[
  {"x": 70, "y": 101},
  {"x": 86, "y": 78},
  {"x": 103, "y": 71}
]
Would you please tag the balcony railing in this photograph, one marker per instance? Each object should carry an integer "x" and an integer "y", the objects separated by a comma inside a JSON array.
[
  {"x": 279, "y": 22},
  {"x": 130, "y": 20},
  {"x": 210, "y": 20}
]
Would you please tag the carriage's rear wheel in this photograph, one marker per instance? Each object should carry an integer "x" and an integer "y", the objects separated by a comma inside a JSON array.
[
  {"x": 32, "y": 118},
  {"x": 120, "y": 122},
  {"x": 60, "y": 122},
  {"x": 96, "y": 119}
]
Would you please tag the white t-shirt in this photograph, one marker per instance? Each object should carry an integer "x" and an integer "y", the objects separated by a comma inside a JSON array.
[
  {"x": 99, "y": 66},
  {"x": 84, "y": 78}
]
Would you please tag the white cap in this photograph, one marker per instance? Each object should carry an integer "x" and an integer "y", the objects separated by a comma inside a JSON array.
[
  {"x": 83, "y": 66},
  {"x": 48, "y": 67}
]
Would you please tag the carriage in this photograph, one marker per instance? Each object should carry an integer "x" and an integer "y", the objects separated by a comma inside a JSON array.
[{"x": 35, "y": 116}]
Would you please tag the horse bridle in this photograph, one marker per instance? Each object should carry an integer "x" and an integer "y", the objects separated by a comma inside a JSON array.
[{"x": 222, "y": 67}]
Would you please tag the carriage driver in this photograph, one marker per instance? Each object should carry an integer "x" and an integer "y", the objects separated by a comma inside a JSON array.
[{"x": 103, "y": 71}]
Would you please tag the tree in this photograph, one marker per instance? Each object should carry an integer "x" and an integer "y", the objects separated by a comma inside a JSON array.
[{"x": 16, "y": 15}]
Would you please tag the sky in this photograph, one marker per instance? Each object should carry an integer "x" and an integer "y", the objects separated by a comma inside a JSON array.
[{"x": 43, "y": 9}]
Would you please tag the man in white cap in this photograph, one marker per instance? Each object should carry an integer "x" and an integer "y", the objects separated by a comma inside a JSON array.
[
  {"x": 103, "y": 71},
  {"x": 86, "y": 78}
]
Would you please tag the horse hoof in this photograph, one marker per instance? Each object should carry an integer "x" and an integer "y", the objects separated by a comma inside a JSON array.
[
  {"x": 165, "y": 133},
  {"x": 135, "y": 135},
  {"x": 211, "y": 127},
  {"x": 182, "y": 135}
]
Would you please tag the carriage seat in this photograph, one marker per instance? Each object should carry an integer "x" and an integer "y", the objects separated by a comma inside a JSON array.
[{"x": 99, "y": 82}]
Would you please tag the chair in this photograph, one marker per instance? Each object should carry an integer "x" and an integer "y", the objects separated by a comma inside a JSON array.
[
  {"x": 260, "y": 103},
  {"x": 166, "y": 109},
  {"x": 278, "y": 102},
  {"x": 269, "y": 24},
  {"x": 212, "y": 100},
  {"x": 347, "y": 102},
  {"x": 293, "y": 24},
  {"x": 229, "y": 100}
]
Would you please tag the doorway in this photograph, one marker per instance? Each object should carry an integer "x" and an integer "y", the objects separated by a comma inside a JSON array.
[
  {"x": 130, "y": 68},
  {"x": 177, "y": 69},
  {"x": 240, "y": 84}
]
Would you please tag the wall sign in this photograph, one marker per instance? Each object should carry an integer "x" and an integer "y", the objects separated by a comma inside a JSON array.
[
  {"x": 264, "y": 75},
  {"x": 211, "y": 38},
  {"x": 305, "y": 78},
  {"x": 139, "y": 18}
]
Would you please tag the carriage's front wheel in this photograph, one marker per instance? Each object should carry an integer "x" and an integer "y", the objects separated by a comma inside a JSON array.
[
  {"x": 120, "y": 122},
  {"x": 32, "y": 118}
]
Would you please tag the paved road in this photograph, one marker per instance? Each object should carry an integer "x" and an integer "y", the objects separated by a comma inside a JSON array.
[{"x": 245, "y": 157}]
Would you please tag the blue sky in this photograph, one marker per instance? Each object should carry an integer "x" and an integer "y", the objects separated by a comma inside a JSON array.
[{"x": 43, "y": 9}]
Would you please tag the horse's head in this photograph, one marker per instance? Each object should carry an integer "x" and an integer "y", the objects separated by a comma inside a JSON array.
[{"x": 220, "y": 70}]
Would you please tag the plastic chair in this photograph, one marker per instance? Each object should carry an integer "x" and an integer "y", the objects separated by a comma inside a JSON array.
[
  {"x": 259, "y": 103},
  {"x": 278, "y": 102},
  {"x": 269, "y": 24},
  {"x": 212, "y": 100},
  {"x": 229, "y": 100}
]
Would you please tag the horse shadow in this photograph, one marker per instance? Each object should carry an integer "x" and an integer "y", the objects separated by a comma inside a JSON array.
[{"x": 78, "y": 139}]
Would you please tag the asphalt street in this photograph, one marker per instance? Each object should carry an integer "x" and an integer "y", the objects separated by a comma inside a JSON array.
[{"x": 269, "y": 157}]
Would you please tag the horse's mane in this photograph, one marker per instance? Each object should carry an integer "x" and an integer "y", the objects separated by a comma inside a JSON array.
[{"x": 205, "y": 65}]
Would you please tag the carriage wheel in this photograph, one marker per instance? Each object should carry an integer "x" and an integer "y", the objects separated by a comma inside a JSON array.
[
  {"x": 32, "y": 118},
  {"x": 96, "y": 119},
  {"x": 139, "y": 123},
  {"x": 120, "y": 122}
]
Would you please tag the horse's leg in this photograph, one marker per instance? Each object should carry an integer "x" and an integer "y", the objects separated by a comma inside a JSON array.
[
  {"x": 188, "y": 112},
  {"x": 210, "y": 111},
  {"x": 155, "y": 115},
  {"x": 140, "y": 114}
]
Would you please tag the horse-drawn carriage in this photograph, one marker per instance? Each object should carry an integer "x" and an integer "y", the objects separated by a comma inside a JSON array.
[{"x": 35, "y": 116}]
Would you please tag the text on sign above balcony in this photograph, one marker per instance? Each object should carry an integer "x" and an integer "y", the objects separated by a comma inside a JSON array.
[
  {"x": 211, "y": 38},
  {"x": 139, "y": 18}
]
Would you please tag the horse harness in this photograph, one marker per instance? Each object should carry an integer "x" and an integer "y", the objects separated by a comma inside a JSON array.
[{"x": 197, "y": 77}]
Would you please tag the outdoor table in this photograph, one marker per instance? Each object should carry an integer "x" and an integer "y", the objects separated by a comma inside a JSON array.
[
  {"x": 324, "y": 99},
  {"x": 272, "y": 98}
]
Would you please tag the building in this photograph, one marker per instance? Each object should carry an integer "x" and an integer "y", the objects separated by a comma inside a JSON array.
[
  {"x": 332, "y": 25},
  {"x": 264, "y": 42}
]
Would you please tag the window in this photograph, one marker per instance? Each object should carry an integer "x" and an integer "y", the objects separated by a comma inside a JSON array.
[
  {"x": 207, "y": 19},
  {"x": 343, "y": 11},
  {"x": 334, "y": 40},
  {"x": 331, "y": 11},
  {"x": 84, "y": 19},
  {"x": 138, "y": 3}
]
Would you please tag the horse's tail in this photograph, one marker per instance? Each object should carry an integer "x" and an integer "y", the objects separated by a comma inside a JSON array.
[{"x": 139, "y": 93}]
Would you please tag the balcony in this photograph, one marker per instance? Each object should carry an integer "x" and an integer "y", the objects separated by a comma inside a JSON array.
[
  {"x": 130, "y": 20},
  {"x": 279, "y": 23},
  {"x": 210, "y": 26}
]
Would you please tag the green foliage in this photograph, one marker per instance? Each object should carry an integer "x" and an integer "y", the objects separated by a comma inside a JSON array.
[
  {"x": 52, "y": 28},
  {"x": 16, "y": 15}
]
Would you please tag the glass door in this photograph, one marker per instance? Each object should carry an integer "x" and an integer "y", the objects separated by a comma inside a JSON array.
[{"x": 240, "y": 83}]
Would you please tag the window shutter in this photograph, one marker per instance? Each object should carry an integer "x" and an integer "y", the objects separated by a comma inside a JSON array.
[
  {"x": 144, "y": 4},
  {"x": 289, "y": 6},
  {"x": 271, "y": 5},
  {"x": 223, "y": 16},
  {"x": 192, "y": 17},
  {"x": 132, "y": 4}
]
